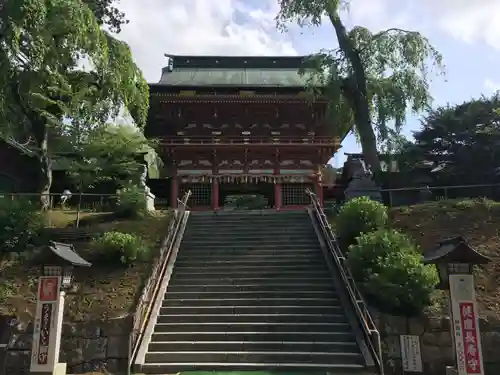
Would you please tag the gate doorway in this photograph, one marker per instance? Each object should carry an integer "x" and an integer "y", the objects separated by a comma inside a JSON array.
[{"x": 246, "y": 196}]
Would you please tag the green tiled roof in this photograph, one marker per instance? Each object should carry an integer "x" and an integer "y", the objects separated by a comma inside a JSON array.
[{"x": 233, "y": 71}]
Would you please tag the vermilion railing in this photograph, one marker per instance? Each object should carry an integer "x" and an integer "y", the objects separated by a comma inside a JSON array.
[
  {"x": 236, "y": 140},
  {"x": 369, "y": 329}
]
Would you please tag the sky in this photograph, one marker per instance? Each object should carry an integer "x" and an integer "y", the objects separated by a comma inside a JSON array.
[{"x": 466, "y": 32}]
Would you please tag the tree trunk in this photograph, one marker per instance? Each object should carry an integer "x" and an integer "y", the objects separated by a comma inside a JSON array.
[
  {"x": 45, "y": 171},
  {"x": 358, "y": 97}
]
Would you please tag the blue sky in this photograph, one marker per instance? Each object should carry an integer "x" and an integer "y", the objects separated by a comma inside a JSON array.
[{"x": 466, "y": 33}]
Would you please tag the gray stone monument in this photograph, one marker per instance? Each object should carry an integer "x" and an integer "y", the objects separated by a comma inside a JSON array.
[
  {"x": 150, "y": 197},
  {"x": 362, "y": 183}
]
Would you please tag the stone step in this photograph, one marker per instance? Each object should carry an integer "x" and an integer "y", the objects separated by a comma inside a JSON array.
[
  {"x": 255, "y": 357},
  {"x": 249, "y": 247},
  {"x": 256, "y": 270},
  {"x": 246, "y": 242},
  {"x": 252, "y": 327},
  {"x": 253, "y": 336},
  {"x": 282, "y": 346},
  {"x": 284, "y": 261},
  {"x": 249, "y": 236},
  {"x": 267, "y": 231},
  {"x": 244, "y": 222},
  {"x": 258, "y": 253},
  {"x": 261, "y": 293},
  {"x": 255, "y": 288},
  {"x": 310, "y": 280},
  {"x": 256, "y": 218},
  {"x": 259, "y": 301},
  {"x": 253, "y": 273},
  {"x": 251, "y": 318},
  {"x": 286, "y": 309},
  {"x": 283, "y": 368}
]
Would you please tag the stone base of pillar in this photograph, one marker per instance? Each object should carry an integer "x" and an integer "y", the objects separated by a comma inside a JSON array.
[{"x": 60, "y": 369}]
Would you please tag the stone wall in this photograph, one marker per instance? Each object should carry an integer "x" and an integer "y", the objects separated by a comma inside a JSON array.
[
  {"x": 435, "y": 341},
  {"x": 85, "y": 347}
]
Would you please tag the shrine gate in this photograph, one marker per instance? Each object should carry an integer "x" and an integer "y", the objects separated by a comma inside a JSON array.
[{"x": 229, "y": 125}]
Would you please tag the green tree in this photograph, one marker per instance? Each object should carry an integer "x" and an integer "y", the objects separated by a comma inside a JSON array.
[
  {"x": 110, "y": 152},
  {"x": 371, "y": 79},
  {"x": 464, "y": 140},
  {"x": 58, "y": 66}
]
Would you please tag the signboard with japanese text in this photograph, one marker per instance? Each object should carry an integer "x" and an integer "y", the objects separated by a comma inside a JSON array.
[
  {"x": 465, "y": 325},
  {"x": 410, "y": 353},
  {"x": 49, "y": 288},
  {"x": 44, "y": 332}
]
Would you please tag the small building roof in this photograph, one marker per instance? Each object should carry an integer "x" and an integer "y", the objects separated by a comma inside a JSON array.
[
  {"x": 455, "y": 249},
  {"x": 234, "y": 71},
  {"x": 67, "y": 252}
]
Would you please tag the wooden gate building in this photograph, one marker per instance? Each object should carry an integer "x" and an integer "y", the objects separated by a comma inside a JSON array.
[{"x": 236, "y": 125}]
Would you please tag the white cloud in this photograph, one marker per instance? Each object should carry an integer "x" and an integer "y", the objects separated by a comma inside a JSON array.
[
  {"x": 491, "y": 86},
  {"x": 469, "y": 21},
  {"x": 209, "y": 27}
]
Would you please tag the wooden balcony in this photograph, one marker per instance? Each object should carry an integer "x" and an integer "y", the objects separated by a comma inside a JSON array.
[{"x": 222, "y": 141}]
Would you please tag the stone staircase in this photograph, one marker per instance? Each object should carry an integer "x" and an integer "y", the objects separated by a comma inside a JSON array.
[{"x": 252, "y": 290}]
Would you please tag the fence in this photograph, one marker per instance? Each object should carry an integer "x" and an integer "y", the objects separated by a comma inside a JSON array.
[
  {"x": 414, "y": 195},
  {"x": 85, "y": 201}
]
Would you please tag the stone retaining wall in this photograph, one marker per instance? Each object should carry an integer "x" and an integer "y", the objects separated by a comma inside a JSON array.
[
  {"x": 85, "y": 347},
  {"x": 435, "y": 341},
  {"x": 92, "y": 346}
]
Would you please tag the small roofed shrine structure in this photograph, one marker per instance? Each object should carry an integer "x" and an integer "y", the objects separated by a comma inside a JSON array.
[{"x": 239, "y": 125}]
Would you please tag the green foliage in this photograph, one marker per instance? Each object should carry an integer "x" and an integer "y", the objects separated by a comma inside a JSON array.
[
  {"x": 125, "y": 247},
  {"x": 372, "y": 79},
  {"x": 20, "y": 224},
  {"x": 358, "y": 216},
  {"x": 131, "y": 202},
  {"x": 464, "y": 139},
  {"x": 246, "y": 202},
  {"x": 107, "y": 153},
  {"x": 44, "y": 86},
  {"x": 388, "y": 267}
]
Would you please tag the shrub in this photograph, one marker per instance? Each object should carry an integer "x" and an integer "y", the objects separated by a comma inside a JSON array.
[
  {"x": 131, "y": 201},
  {"x": 20, "y": 225},
  {"x": 126, "y": 247},
  {"x": 357, "y": 216},
  {"x": 389, "y": 270}
]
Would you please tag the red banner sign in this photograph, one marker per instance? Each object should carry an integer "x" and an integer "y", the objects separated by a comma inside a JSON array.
[
  {"x": 470, "y": 338},
  {"x": 49, "y": 289}
]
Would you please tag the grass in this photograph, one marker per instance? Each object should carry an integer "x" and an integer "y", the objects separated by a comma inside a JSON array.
[
  {"x": 478, "y": 221},
  {"x": 102, "y": 292}
]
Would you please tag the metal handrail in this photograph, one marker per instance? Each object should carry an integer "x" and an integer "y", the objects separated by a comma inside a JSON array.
[
  {"x": 368, "y": 326},
  {"x": 150, "y": 291}
]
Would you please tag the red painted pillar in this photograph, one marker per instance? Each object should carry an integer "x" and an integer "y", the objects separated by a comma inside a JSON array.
[
  {"x": 215, "y": 194},
  {"x": 277, "y": 195},
  {"x": 174, "y": 191}
]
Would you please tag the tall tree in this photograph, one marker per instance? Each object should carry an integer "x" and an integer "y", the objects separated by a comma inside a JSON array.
[
  {"x": 58, "y": 66},
  {"x": 462, "y": 140},
  {"x": 371, "y": 79}
]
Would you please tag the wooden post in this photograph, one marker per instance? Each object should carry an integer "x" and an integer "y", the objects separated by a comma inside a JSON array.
[{"x": 174, "y": 190}]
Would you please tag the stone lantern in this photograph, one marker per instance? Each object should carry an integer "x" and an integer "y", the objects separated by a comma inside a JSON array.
[
  {"x": 454, "y": 256},
  {"x": 56, "y": 275},
  {"x": 455, "y": 260}
]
